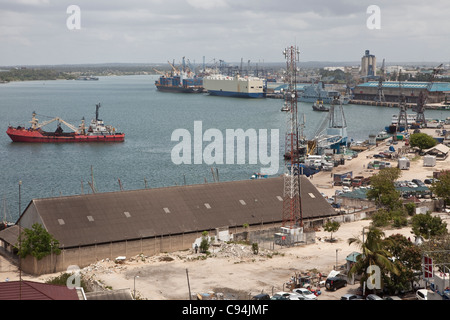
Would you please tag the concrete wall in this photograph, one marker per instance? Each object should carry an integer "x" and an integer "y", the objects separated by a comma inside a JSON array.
[{"x": 85, "y": 256}]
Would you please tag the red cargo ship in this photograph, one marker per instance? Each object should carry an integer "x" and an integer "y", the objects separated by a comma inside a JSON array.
[{"x": 96, "y": 132}]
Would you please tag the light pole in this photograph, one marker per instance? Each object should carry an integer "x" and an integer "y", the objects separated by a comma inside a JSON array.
[
  {"x": 20, "y": 244},
  {"x": 335, "y": 268},
  {"x": 134, "y": 290}
]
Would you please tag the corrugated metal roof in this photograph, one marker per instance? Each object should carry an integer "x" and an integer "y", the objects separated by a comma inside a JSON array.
[
  {"x": 436, "y": 86},
  {"x": 126, "y": 215},
  {"x": 30, "y": 290}
]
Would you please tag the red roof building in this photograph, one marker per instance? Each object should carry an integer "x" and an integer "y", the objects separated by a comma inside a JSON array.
[{"x": 29, "y": 290}]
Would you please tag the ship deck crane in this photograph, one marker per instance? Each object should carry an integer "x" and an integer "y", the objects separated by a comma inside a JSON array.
[
  {"x": 175, "y": 70},
  {"x": 36, "y": 125},
  {"x": 160, "y": 72}
]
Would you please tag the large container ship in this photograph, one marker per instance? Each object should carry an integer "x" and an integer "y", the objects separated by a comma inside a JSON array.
[
  {"x": 179, "y": 84},
  {"x": 181, "y": 79},
  {"x": 96, "y": 132},
  {"x": 242, "y": 87}
]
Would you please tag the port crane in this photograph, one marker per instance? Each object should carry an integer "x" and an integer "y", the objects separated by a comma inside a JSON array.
[
  {"x": 380, "y": 94},
  {"x": 422, "y": 99},
  {"x": 402, "y": 116}
]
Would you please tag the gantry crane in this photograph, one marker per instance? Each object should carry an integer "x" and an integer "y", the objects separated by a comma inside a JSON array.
[
  {"x": 422, "y": 99},
  {"x": 380, "y": 94}
]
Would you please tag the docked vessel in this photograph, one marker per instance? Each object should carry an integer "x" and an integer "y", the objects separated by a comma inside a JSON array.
[
  {"x": 96, "y": 132},
  {"x": 395, "y": 126},
  {"x": 316, "y": 91},
  {"x": 182, "y": 80},
  {"x": 241, "y": 87},
  {"x": 178, "y": 84}
]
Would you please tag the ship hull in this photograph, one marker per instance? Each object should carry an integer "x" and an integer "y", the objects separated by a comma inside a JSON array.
[
  {"x": 254, "y": 95},
  {"x": 322, "y": 109},
  {"x": 238, "y": 87},
  {"x": 35, "y": 136},
  {"x": 175, "y": 89}
]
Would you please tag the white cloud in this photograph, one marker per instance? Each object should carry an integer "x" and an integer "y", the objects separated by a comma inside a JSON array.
[{"x": 208, "y": 4}]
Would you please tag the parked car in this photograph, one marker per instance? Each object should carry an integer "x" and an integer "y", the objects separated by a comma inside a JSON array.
[
  {"x": 373, "y": 297},
  {"x": 346, "y": 189},
  {"x": 392, "y": 298},
  {"x": 308, "y": 295},
  {"x": 261, "y": 296},
  {"x": 334, "y": 283},
  {"x": 350, "y": 296},
  {"x": 421, "y": 294},
  {"x": 286, "y": 296},
  {"x": 418, "y": 182},
  {"x": 428, "y": 181}
]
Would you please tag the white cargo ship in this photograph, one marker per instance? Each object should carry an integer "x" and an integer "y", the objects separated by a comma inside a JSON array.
[{"x": 243, "y": 87}]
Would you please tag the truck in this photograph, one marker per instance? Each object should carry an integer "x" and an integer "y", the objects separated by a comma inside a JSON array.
[
  {"x": 338, "y": 178},
  {"x": 360, "y": 181}
]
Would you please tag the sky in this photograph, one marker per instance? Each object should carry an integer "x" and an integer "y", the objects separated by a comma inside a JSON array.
[{"x": 45, "y": 32}]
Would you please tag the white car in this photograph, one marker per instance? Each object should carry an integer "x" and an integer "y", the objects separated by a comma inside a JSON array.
[
  {"x": 305, "y": 293},
  {"x": 421, "y": 294},
  {"x": 346, "y": 189},
  {"x": 286, "y": 296}
]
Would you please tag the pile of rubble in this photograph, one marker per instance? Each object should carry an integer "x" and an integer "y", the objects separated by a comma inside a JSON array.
[{"x": 233, "y": 250}]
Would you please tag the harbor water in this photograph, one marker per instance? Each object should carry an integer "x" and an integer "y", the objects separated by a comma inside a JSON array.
[{"x": 148, "y": 118}]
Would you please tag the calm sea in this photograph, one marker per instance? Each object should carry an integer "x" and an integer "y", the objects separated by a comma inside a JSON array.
[{"x": 148, "y": 118}]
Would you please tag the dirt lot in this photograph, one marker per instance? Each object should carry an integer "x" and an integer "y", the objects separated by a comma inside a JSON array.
[{"x": 234, "y": 270}]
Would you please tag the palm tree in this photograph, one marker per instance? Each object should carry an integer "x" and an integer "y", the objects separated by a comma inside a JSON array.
[{"x": 374, "y": 253}]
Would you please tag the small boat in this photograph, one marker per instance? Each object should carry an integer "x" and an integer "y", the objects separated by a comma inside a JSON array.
[
  {"x": 285, "y": 107},
  {"x": 318, "y": 106},
  {"x": 259, "y": 176},
  {"x": 382, "y": 135}
]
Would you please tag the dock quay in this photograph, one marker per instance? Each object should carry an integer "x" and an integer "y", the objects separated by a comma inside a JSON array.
[
  {"x": 380, "y": 103},
  {"x": 390, "y": 104}
]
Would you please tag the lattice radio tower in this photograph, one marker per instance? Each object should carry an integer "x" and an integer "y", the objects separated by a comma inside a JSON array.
[{"x": 292, "y": 211}]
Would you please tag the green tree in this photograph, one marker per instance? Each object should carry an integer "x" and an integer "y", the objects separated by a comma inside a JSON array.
[
  {"x": 37, "y": 242},
  {"x": 204, "y": 244},
  {"x": 331, "y": 226},
  {"x": 427, "y": 226},
  {"x": 373, "y": 252},
  {"x": 383, "y": 190},
  {"x": 441, "y": 188},
  {"x": 438, "y": 248},
  {"x": 407, "y": 258},
  {"x": 422, "y": 141}
]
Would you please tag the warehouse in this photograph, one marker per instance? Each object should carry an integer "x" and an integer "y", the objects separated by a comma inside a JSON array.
[
  {"x": 436, "y": 91},
  {"x": 149, "y": 221}
]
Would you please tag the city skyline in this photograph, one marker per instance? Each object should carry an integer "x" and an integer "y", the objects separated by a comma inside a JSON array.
[{"x": 45, "y": 32}]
